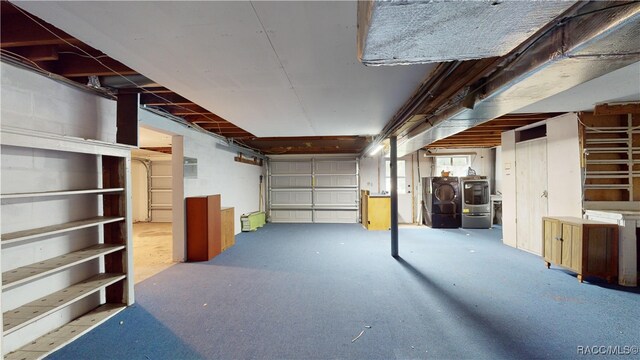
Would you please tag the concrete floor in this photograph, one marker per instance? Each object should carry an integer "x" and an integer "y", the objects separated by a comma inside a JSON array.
[{"x": 151, "y": 249}]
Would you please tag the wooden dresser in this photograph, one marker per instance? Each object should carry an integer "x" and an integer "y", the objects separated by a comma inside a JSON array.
[{"x": 588, "y": 247}]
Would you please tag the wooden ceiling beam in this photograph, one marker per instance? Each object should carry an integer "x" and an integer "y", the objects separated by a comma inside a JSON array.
[
  {"x": 37, "y": 53},
  {"x": 210, "y": 126},
  {"x": 616, "y": 109},
  {"x": 18, "y": 30},
  {"x": 157, "y": 90},
  {"x": 164, "y": 99},
  {"x": 77, "y": 66}
]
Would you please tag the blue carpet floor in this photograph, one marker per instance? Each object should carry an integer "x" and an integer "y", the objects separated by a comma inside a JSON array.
[{"x": 307, "y": 291}]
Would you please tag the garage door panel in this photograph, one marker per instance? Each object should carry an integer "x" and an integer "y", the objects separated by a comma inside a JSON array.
[
  {"x": 290, "y": 167},
  {"x": 288, "y": 216},
  {"x": 319, "y": 190},
  {"x": 336, "y": 167},
  {"x": 161, "y": 197},
  {"x": 336, "y": 216},
  {"x": 161, "y": 168},
  {"x": 336, "y": 181},
  {"x": 291, "y": 198},
  {"x": 335, "y": 197},
  {"x": 290, "y": 181}
]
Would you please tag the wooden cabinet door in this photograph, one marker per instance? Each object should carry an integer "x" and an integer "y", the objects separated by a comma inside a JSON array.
[
  {"x": 571, "y": 246},
  {"x": 552, "y": 249}
]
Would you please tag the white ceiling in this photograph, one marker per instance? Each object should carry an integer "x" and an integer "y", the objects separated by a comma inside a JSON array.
[{"x": 271, "y": 68}]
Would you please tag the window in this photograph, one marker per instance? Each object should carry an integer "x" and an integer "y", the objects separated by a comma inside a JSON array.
[
  {"x": 455, "y": 165},
  {"x": 402, "y": 182}
]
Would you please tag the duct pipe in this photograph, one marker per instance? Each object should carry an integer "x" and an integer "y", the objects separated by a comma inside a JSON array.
[{"x": 592, "y": 41}]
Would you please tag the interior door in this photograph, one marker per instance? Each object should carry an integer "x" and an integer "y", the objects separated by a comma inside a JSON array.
[{"x": 531, "y": 194}]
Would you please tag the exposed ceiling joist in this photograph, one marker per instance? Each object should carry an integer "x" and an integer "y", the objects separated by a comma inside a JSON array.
[
  {"x": 617, "y": 109},
  {"x": 17, "y": 31},
  {"x": 78, "y": 66}
]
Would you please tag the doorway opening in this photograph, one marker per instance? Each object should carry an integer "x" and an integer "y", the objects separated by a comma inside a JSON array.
[{"x": 151, "y": 180}]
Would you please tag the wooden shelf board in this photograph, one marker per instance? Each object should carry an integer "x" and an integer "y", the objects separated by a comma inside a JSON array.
[
  {"x": 59, "y": 193},
  {"x": 56, "y": 339},
  {"x": 57, "y": 229},
  {"x": 24, "y": 315},
  {"x": 43, "y": 268}
]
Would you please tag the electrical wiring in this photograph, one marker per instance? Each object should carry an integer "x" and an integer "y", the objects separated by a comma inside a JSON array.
[
  {"x": 84, "y": 56},
  {"x": 112, "y": 70},
  {"x": 595, "y": 129},
  {"x": 19, "y": 57}
]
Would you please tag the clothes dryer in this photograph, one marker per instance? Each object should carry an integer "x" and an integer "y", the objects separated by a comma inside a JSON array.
[{"x": 441, "y": 199}]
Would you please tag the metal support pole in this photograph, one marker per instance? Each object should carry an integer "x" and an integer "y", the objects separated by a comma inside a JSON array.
[{"x": 394, "y": 195}]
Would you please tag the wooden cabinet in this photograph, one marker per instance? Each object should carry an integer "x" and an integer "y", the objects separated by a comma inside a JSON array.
[
  {"x": 204, "y": 234},
  {"x": 376, "y": 211},
  {"x": 228, "y": 228},
  {"x": 590, "y": 248}
]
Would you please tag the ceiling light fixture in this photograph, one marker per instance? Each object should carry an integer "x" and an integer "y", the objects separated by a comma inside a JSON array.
[{"x": 376, "y": 149}]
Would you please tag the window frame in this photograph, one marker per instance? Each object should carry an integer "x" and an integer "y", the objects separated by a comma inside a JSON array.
[{"x": 387, "y": 176}]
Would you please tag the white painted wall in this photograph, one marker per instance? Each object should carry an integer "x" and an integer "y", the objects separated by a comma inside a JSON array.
[
  {"x": 508, "y": 169},
  {"x": 563, "y": 154},
  {"x": 218, "y": 173},
  {"x": 34, "y": 102},
  {"x": 371, "y": 173}
]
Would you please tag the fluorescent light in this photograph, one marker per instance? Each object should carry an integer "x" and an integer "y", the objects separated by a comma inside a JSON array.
[{"x": 376, "y": 150}]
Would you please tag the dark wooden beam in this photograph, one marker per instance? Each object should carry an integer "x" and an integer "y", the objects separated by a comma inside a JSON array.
[
  {"x": 164, "y": 99},
  {"x": 37, "y": 53},
  {"x": 19, "y": 30},
  {"x": 616, "y": 109},
  {"x": 127, "y": 119},
  {"x": 77, "y": 66},
  {"x": 251, "y": 161}
]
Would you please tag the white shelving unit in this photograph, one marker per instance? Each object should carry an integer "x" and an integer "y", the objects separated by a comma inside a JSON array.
[{"x": 51, "y": 301}]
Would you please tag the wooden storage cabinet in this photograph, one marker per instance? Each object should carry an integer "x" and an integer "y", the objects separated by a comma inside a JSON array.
[
  {"x": 228, "y": 228},
  {"x": 376, "y": 211},
  {"x": 590, "y": 248},
  {"x": 51, "y": 298},
  {"x": 204, "y": 234}
]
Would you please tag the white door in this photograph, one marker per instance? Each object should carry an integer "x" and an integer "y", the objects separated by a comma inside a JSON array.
[
  {"x": 531, "y": 193},
  {"x": 314, "y": 190}
]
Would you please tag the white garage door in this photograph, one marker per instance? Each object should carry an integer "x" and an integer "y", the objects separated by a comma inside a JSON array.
[{"x": 316, "y": 190}]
